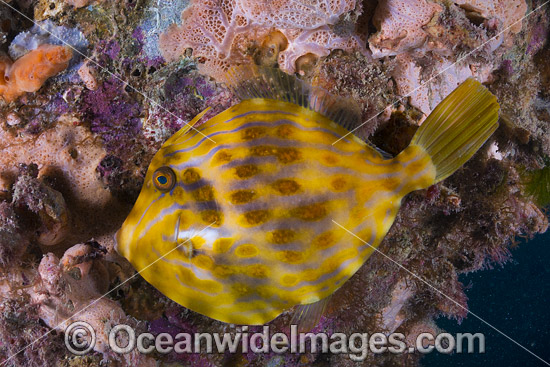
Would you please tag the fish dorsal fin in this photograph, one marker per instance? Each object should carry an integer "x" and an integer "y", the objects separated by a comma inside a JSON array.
[
  {"x": 250, "y": 81},
  {"x": 186, "y": 128}
]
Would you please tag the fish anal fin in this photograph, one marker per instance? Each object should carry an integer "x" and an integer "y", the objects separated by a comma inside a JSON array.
[{"x": 307, "y": 317}]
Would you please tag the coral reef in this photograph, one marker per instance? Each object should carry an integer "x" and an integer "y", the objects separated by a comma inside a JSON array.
[
  {"x": 509, "y": 14},
  {"x": 78, "y": 3},
  {"x": 111, "y": 113},
  {"x": 400, "y": 26},
  {"x": 75, "y": 149},
  {"x": 363, "y": 80},
  {"x": 71, "y": 289},
  {"x": 220, "y": 33},
  {"x": 428, "y": 65},
  {"x": 21, "y": 325},
  {"x": 44, "y": 201},
  {"x": 13, "y": 243},
  {"x": 47, "y": 32},
  {"x": 403, "y": 26}
]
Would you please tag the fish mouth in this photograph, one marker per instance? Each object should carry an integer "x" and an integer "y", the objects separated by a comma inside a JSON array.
[
  {"x": 126, "y": 243},
  {"x": 121, "y": 244},
  {"x": 116, "y": 238}
]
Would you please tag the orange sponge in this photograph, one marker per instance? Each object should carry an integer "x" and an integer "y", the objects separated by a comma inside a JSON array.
[{"x": 29, "y": 72}]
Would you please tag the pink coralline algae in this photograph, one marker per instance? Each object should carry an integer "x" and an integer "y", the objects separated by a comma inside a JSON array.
[
  {"x": 220, "y": 32},
  {"x": 537, "y": 39},
  {"x": 400, "y": 25},
  {"x": 426, "y": 38},
  {"x": 113, "y": 114},
  {"x": 187, "y": 96},
  {"x": 404, "y": 25},
  {"x": 72, "y": 288},
  {"x": 184, "y": 94},
  {"x": 508, "y": 12},
  {"x": 112, "y": 49},
  {"x": 173, "y": 324}
]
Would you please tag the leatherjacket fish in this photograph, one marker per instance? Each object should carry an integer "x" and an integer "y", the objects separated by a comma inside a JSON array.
[{"x": 239, "y": 219}]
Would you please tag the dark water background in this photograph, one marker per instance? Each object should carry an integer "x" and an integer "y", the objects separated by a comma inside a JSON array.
[{"x": 516, "y": 300}]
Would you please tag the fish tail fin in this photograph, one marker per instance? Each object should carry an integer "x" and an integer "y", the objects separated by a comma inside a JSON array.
[{"x": 458, "y": 127}]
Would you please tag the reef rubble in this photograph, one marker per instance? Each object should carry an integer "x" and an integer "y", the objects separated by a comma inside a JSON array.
[{"x": 89, "y": 90}]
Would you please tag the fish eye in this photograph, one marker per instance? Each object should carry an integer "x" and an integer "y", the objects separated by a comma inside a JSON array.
[{"x": 164, "y": 178}]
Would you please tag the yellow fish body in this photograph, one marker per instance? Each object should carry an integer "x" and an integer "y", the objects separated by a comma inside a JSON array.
[{"x": 238, "y": 222}]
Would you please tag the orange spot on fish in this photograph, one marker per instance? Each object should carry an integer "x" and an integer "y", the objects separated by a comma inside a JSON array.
[
  {"x": 286, "y": 186},
  {"x": 253, "y": 133},
  {"x": 310, "y": 213},
  {"x": 240, "y": 289},
  {"x": 212, "y": 217},
  {"x": 289, "y": 280},
  {"x": 263, "y": 150},
  {"x": 223, "y": 271},
  {"x": 242, "y": 196},
  {"x": 284, "y": 155},
  {"x": 246, "y": 250},
  {"x": 256, "y": 217},
  {"x": 190, "y": 176},
  {"x": 281, "y": 236},
  {"x": 288, "y": 155},
  {"x": 284, "y": 131},
  {"x": 290, "y": 257},
  {"x": 204, "y": 193},
  {"x": 324, "y": 240},
  {"x": 330, "y": 159},
  {"x": 338, "y": 184},
  {"x": 257, "y": 271},
  {"x": 222, "y": 157},
  {"x": 246, "y": 171}
]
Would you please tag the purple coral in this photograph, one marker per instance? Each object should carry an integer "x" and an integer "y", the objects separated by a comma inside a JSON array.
[
  {"x": 173, "y": 323},
  {"x": 507, "y": 67},
  {"x": 537, "y": 38},
  {"x": 187, "y": 94},
  {"x": 112, "y": 114},
  {"x": 112, "y": 49},
  {"x": 41, "y": 112},
  {"x": 139, "y": 36}
]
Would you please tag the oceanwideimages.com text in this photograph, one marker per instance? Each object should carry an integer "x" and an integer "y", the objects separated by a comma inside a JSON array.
[{"x": 80, "y": 339}]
